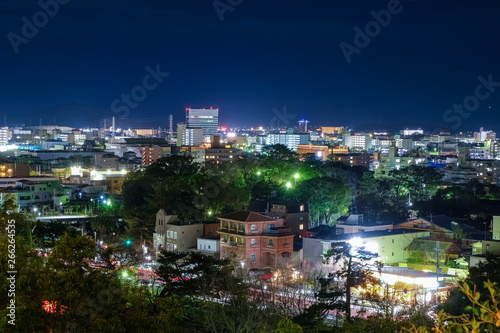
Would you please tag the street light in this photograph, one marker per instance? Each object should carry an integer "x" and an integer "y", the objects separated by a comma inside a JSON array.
[
  {"x": 258, "y": 173},
  {"x": 288, "y": 184},
  {"x": 296, "y": 176}
]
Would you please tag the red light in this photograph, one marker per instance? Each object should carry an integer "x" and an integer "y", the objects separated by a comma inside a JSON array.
[{"x": 51, "y": 307}]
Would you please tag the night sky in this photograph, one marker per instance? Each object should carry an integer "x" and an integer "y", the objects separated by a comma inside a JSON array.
[{"x": 263, "y": 55}]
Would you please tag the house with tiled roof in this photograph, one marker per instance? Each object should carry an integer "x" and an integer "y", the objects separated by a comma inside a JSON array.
[{"x": 255, "y": 240}]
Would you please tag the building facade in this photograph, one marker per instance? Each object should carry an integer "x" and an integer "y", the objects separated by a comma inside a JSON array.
[
  {"x": 255, "y": 240},
  {"x": 207, "y": 119},
  {"x": 290, "y": 139},
  {"x": 172, "y": 235}
]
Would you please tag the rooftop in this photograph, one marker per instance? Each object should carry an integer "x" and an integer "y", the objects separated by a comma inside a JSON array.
[
  {"x": 245, "y": 216},
  {"x": 372, "y": 234}
]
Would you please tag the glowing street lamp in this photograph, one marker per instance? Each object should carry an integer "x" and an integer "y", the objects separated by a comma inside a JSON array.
[
  {"x": 296, "y": 176},
  {"x": 288, "y": 185},
  {"x": 258, "y": 173}
]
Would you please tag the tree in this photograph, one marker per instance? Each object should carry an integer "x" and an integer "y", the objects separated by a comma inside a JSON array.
[
  {"x": 194, "y": 274},
  {"x": 483, "y": 315},
  {"x": 288, "y": 326},
  {"x": 459, "y": 233},
  {"x": 279, "y": 152},
  {"x": 488, "y": 270},
  {"x": 61, "y": 292},
  {"x": 146, "y": 313},
  {"x": 106, "y": 220},
  {"x": 352, "y": 265},
  {"x": 328, "y": 198},
  {"x": 46, "y": 234},
  {"x": 172, "y": 183}
]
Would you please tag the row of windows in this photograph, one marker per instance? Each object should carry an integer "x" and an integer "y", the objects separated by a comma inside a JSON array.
[{"x": 270, "y": 242}]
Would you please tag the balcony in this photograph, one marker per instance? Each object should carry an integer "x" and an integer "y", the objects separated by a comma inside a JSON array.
[
  {"x": 277, "y": 231},
  {"x": 231, "y": 243}
]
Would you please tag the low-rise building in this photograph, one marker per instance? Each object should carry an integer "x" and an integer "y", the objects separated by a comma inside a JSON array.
[
  {"x": 35, "y": 194},
  {"x": 356, "y": 159},
  {"x": 355, "y": 223},
  {"x": 295, "y": 215},
  {"x": 255, "y": 240},
  {"x": 174, "y": 235},
  {"x": 395, "y": 162},
  {"x": 389, "y": 244}
]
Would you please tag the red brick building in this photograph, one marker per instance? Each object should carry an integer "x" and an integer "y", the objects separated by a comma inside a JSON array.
[
  {"x": 255, "y": 240},
  {"x": 151, "y": 154}
]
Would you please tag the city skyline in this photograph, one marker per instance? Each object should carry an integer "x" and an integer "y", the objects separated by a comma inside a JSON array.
[{"x": 311, "y": 59}]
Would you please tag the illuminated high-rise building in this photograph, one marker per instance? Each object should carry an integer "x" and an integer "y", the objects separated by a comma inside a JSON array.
[
  {"x": 4, "y": 136},
  {"x": 207, "y": 119}
]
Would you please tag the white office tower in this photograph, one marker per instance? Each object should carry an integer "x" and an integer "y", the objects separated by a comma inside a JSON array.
[{"x": 207, "y": 119}]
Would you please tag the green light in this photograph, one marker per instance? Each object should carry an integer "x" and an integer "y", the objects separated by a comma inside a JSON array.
[
  {"x": 124, "y": 274},
  {"x": 109, "y": 203},
  {"x": 258, "y": 173},
  {"x": 209, "y": 212},
  {"x": 288, "y": 185},
  {"x": 296, "y": 176}
]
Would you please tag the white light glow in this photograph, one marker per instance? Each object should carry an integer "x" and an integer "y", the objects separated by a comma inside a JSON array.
[{"x": 356, "y": 242}]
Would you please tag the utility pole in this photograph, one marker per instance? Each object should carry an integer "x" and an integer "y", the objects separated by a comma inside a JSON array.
[{"x": 438, "y": 252}]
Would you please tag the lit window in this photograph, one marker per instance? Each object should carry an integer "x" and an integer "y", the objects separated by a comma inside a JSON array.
[
  {"x": 301, "y": 227},
  {"x": 253, "y": 227},
  {"x": 253, "y": 241},
  {"x": 301, "y": 208}
]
